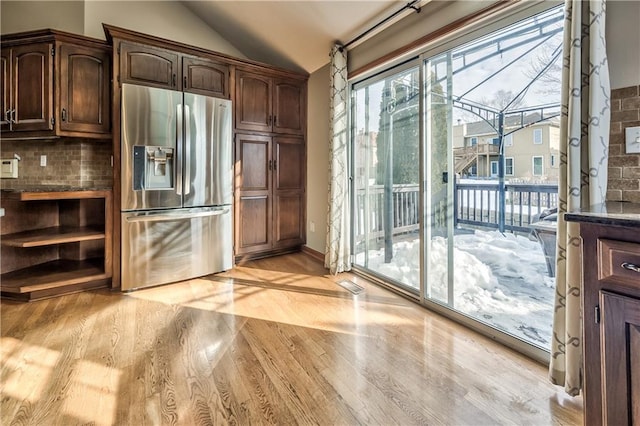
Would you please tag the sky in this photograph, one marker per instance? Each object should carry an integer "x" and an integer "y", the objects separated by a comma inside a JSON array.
[{"x": 514, "y": 77}]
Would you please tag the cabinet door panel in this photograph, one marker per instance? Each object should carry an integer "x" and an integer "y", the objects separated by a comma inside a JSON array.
[
  {"x": 289, "y": 178},
  {"x": 289, "y": 163},
  {"x": 148, "y": 66},
  {"x": 205, "y": 77},
  {"x": 253, "y": 102},
  {"x": 32, "y": 76},
  {"x": 254, "y": 229},
  {"x": 289, "y": 107},
  {"x": 5, "y": 88},
  {"x": 84, "y": 89},
  {"x": 253, "y": 162},
  {"x": 288, "y": 220},
  {"x": 620, "y": 335},
  {"x": 253, "y": 193}
]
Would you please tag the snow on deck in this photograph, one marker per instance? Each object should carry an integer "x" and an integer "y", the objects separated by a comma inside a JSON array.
[{"x": 498, "y": 279}]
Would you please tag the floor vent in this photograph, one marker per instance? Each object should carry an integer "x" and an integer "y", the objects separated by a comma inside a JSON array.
[{"x": 350, "y": 286}]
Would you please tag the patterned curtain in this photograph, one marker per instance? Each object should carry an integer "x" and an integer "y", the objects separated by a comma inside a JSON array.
[
  {"x": 338, "y": 218},
  {"x": 584, "y": 140}
]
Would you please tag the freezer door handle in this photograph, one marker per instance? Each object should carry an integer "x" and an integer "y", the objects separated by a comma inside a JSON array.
[
  {"x": 179, "y": 145},
  {"x": 187, "y": 161},
  {"x": 164, "y": 217}
]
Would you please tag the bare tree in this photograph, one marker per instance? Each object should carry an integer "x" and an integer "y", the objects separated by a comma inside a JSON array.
[
  {"x": 501, "y": 99},
  {"x": 546, "y": 65}
]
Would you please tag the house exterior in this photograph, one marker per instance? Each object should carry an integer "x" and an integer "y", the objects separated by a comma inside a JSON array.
[{"x": 531, "y": 152}]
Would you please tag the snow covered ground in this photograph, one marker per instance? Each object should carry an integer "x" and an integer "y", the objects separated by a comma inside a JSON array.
[{"x": 498, "y": 279}]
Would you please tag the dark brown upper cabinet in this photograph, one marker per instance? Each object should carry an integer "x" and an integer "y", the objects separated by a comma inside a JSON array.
[
  {"x": 28, "y": 93},
  {"x": 84, "y": 89},
  {"x": 54, "y": 84},
  {"x": 157, "y": 67},
  {"x": 149, "y": 66},
  {"x": 267, "y": 104},
  {"x": 205, "y": 77}
]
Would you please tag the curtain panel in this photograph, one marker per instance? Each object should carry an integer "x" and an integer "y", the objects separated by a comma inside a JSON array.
[
  {"x": 338, "y": 218},
  {"x": 584, "y": 141}
]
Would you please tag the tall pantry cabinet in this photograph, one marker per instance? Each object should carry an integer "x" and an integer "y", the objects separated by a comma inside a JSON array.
[{"x": 270, "y": 153}]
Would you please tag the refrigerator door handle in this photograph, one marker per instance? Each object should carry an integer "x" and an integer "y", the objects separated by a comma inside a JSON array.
[
  {"x": 163, "y": 217},
  {"x": 179, "y": 145},
  {"x": 188, "y": 147}
]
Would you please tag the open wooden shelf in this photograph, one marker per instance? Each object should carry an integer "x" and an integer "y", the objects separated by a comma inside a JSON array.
[
  {"x": 57, "y": 273},
  {"x": 70, "y": 249},
  {"x": 51, "y": 236}
]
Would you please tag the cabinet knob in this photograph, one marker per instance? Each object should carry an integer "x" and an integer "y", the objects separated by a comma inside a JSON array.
[
  {"x": 185, "y": 82},
  {"x": 64, "y": 114},
  {"x": 630, "y": 267},
  {"x": 7, "y": 116},
  {"x": 13, "y": 116}
]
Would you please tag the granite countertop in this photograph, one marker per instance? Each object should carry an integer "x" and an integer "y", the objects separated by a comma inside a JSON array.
[
  {"x": 614, "y": 213},
  {"x": 54, "y": 188}
]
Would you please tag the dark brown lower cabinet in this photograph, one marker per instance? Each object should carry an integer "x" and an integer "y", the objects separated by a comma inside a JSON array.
[
  {"x": 270, "y": 195},
  {"x": 611, "y": 324},
  {"x": 620, "y": 337}
]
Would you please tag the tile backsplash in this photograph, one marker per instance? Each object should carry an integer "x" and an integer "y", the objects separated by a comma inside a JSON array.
[
  {"x": 74, "y": 162},
  {"x": 624, "y": 169}
]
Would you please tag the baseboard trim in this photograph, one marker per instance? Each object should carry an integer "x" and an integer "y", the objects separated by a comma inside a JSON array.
[{"x": 316, "y": 255}]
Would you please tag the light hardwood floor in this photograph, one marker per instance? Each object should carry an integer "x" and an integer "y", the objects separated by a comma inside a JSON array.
[{"x": 273, "y": 341}]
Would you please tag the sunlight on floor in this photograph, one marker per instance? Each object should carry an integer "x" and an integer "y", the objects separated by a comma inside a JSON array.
[
  {"x": 95, "y": 386},
  {"x": 95, "y": 392},
  {"x": 302, "y": 300},
  {"x": 25, "y": 364}
]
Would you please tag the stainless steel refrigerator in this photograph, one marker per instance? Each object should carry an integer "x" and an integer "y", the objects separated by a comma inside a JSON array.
[{"x": 176, "y": 186}]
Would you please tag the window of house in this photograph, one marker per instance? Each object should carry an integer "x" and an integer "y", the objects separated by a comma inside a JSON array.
[
  {"x": 495, "y": 141},
  {"x": 508, "y": 140},
  {"x": 537, "y": 136},
  {"x": 538, "y": 168},
  {"x": 553, "y": 160},
  {"x": 508, "y": 166},
  {"x": 474, "y": 141},
  {"x": 494, "y": 168}
]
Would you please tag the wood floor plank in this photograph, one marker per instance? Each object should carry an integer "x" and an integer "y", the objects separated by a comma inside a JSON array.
[{"x": 273, "y": 341}]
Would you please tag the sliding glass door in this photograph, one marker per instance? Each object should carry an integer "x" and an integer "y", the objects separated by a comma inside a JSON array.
[
  {"x": 386, "y": 146},
  {"x": 478, "y": 125}
]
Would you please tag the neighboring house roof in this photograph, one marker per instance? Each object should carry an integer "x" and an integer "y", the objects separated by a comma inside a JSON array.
[{"x": 481, "y": 127}]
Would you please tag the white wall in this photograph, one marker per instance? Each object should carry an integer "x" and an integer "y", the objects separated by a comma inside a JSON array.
[
  {"x": 318, "y": 157},
  {"x": 166, "y": 19},
  {"x": 623, "y": 42},
  {"x": 19, "y": 16}
]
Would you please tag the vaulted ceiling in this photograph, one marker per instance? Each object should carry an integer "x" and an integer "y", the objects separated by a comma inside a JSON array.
[{"x": 291, "y": 34}]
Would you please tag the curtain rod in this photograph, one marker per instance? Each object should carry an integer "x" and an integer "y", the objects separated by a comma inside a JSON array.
[{"x": 409, "y": 5}]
